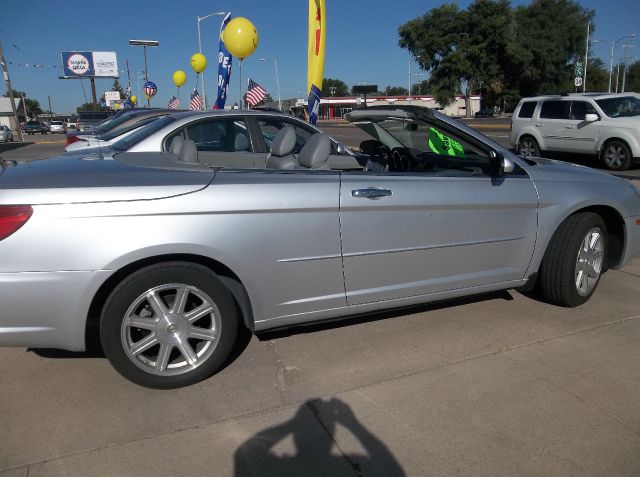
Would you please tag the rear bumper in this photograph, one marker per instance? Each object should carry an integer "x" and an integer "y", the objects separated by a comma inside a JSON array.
[{"x": 47, "y": 309}]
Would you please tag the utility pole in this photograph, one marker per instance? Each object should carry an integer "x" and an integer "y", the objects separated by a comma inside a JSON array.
[
  {"x": 50, "y": 112},
  {"x": 5, "y": 70}
]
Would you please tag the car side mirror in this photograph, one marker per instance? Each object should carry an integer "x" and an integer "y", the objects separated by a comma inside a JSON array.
[
  {"x": 501, "y": 165},
  {"x": 591, "y": 117}
]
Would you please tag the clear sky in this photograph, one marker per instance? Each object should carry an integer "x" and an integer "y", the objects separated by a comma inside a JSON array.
[{"x": 362, "y": 42}]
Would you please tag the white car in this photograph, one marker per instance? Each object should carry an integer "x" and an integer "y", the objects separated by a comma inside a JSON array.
[
  {"x": 599, "y": 124},
  {"x": 5, "y": 133},
  {"x": 57, "y": 127}
]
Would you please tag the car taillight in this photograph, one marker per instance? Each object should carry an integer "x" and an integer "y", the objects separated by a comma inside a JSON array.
[
  {"x": 71, "y": 138},
  {"x": 12, "y": 217}
]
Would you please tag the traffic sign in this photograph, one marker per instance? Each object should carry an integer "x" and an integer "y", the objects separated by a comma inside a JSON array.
[
  {"x": 579, "y": 69},
  {"x": 578, "y": 81}
]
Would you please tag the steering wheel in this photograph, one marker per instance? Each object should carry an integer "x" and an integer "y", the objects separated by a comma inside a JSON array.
[{"x": 399, "y": 160}]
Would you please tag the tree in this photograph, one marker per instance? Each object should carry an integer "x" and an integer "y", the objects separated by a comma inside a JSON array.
[
  {"x": 632, "y": 82},
  {"x": 85, "y": 107},
  {"x": 459, "y": 48},
  {"x": 33, "y": 106},
  {"x": 547, "y": 40},
  {"x": 597, "y": 75},
  {"x": 334, "y": 87},
  {"x": 395, "y": 91},
  {"x": 118, "y": 87}
]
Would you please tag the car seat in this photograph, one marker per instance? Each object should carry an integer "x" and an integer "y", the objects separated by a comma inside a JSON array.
[{"x": 280, "y": 156}]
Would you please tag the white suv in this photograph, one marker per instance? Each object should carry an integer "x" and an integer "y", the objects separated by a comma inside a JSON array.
[{"x": 601, "y": 124}]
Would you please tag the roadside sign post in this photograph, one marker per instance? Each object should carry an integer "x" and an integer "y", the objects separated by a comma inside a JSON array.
[
  {"x": 5, "y": 71},
  {"x": 578, "y": 81}
]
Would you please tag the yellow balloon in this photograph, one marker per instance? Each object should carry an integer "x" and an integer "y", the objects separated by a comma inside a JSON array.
[
  {"x": 198, "y": 62},
  {"x": 133, "y": 99},
  {"x": 179, "y": 78},
  {"x": 240, "y": 37}
]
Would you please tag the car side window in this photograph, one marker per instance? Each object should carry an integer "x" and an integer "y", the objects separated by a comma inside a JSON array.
[
  {"x": 434, "y": 150},
  {"x": 579, "y": 110},
  {"x": 219, "y": 135},
  {"x": 555, "y": 109},
  {"x": 269, "y": 127},
  {"x": 527, "y": 108}
]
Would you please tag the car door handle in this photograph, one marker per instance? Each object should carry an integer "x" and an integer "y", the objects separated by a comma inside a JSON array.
[
  {"x": 370, "y": 193},
  {"x": 538, "y": 125},
  {"x": 568, "y": 126}
]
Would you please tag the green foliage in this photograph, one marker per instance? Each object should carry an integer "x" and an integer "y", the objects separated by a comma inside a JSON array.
[
  {"x": 395, "y": 91},
  {"x": 632, "y": 82},
  {"x": 334, "y": 87},
  {"x": 503, "y": 52},
  {"x": 85, "y": 107},
  {"x": 118, "y": 87}
]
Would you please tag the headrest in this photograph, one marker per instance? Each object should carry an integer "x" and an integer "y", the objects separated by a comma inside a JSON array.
[
  {"x": 189, "y": 152},
  {"x": 284, "y": 142},
  {"x": 176, "y": 145},
  {"x": 315, "y": 152},
  {"x": 241, "y": 142}
]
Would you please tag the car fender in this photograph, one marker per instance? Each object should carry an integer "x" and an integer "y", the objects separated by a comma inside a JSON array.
[
  {"x": 625, "y": 135},
  {"x": 529, "y": 131}
]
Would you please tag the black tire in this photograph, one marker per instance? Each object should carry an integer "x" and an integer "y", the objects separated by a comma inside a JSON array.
[
  {"x": 565, "y": 258},
  {"x": 616, "y": 156},
  {"x": 528, "y": 147},
  {"x": 188, "y": 359}
]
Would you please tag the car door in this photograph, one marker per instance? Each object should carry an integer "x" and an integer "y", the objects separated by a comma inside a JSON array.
[
  {"x": 554, "y": 123},
  {"x": 581, "y": 135},
  {"x": 407, "y": 234},
  {"x": 220, "y": 141}
]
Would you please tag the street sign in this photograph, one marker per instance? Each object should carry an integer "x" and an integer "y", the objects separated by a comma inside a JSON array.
[
  {"x": 579, "y": 69},
  {"x": 578, "y": 81}
]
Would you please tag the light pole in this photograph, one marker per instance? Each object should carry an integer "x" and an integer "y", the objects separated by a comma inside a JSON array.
[
  {"x": 275, "y": 63},
  {"x": 418, "y": 77},
  {"x": 144, "y": 44},
  {"x": 624, "y": 72},
  {"x": 198, "y": 20},
  {"x": 586, "y": 59},
  {"x": 613, "y": 45}
]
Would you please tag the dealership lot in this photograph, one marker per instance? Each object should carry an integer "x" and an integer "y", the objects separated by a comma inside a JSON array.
[{"x": 499, "y": 384}]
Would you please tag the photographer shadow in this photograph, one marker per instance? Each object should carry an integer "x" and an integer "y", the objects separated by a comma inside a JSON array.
[{"x": 313, "y": 430}]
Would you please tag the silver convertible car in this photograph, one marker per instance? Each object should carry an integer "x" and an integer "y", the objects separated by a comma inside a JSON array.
[{"x": 167, "y": 254}]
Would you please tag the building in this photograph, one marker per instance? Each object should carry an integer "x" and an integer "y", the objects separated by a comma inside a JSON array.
[
  {"x": 6, "y": 112},
  {"x": 336, "y": 107}
]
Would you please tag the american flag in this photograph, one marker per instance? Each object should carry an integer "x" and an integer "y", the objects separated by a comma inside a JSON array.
[
  {"x": 174, "y": 103},
  {"x": 196, "y": 103},
  {"x": 255, "y": 93}
]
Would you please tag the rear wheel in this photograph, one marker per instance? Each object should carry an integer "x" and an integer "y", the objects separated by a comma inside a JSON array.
[
  {"x": 528, "y": 147},
  {"x": 616, "y": 156},
  {"x": 169, "y": 325},
  {"x": 574, "y": 260}
]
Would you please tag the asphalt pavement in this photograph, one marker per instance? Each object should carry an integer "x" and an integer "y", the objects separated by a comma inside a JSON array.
[{"x": 495, "y": 385}]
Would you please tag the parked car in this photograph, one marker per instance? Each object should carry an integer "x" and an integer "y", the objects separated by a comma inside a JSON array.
[
  {"x": 121, "y": 119},
  {"x": 88, "y": 120},
  {"x": 71, "y": 125},
  {"x": 485, "y": 113},
  {"x": 168, "y": 254},
  {"x": 82, "y": 143},
  {"x": 599, "y": 124},
  {"x": 5, "y": 133},
  {"x": 36, "y": 127},
  {"x": 57, "y": 127}
]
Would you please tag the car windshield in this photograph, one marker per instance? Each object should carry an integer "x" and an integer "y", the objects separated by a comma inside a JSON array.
[
  {"x": 134, "y": 138},
  {"x": 116, "y": 121},
  {"x": 125, "y": 129},
  {"x": 620, "y": 107}
]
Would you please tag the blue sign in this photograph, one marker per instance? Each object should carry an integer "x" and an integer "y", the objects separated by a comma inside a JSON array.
[
  {"x": 78, "y": 63},
  {"x": 224, "y": 69}
]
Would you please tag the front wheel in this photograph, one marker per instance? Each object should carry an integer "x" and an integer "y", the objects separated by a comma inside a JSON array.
[
  {"x": 616, "y": 156},
  {"x": 528, "y": 147},
  {"x": 169, "y": 325},
  {"x": 574, "y": 260}
]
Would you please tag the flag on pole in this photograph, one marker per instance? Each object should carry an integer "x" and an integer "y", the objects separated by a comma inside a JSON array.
[
  {"x": 255, "y": 93},
  {"x": 196, "y": 102},
  {"x": 174, "y": 103},
  {"x": 315, "y": 56},
  {"x": 224, "y": 68}
]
